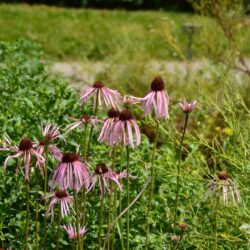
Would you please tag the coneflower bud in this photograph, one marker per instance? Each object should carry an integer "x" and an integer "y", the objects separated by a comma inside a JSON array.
[
  {"x": 98, "y": 84},
  {"x": 125, "y": 115},
  {"x": 113, "y": 113},
  {"x": 223, "y": 175},
  {"x": 70, "y": 157},
  {"x": 175, "y": 237},
  {"x": 101, "y": 168},
  {"x": 25, "y": 144},
  {"x": 86, "y": 118},
  {"x": 157, "y": 84},
  {"x": 183, "y": 226},
  {"x": 61, "y": 194}
]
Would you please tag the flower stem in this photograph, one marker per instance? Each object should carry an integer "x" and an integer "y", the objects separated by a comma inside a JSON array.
[
  {"x": 120, "y": 204},
  {"x": 92, "y": 127},
  {"x": 128, "y": 196},
  {"x": 178, "y": 173},
  {"x": 151, "y": 187},
  {"x": 58, "y": 227},
  {"x": 110, "y": 196},
  {"x": 37, "y": 207},
  {"x": 100, "y": 226},
  {"x": 45, "y": 191},
  {"x": 77, "y": 220},
  {"x": 27, "y": 214},
  {"x": 215, "y": 223}
]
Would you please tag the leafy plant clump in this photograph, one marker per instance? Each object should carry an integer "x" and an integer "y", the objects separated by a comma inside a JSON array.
[{"x": 161, "y": 175}]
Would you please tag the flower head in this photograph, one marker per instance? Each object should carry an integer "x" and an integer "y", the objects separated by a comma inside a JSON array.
[
  {"x": 187, "y": 107},
  {"x": 25, "y": 150},
  {"x": 224, "y": 187},
  {"x": 157, "y": 99},
  {"x": 70, "y": 173},
  {"x": 72, "y": 232},
  {"x": 50, "y": 133},
  {"x": 98, "y": 91},
  {"x": 83, "y": 121},
  {"x": 103, "y": 174},
  {"x": 108, "y": 125},
  {"x": 62, "y": 198},
  {"x": 122, "y": 130}
]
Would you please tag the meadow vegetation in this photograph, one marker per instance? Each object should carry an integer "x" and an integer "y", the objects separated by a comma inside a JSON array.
[{"x": 216, "y": 140}]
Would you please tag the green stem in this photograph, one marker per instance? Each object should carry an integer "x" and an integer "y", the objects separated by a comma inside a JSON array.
[
  {"x": 45, "y": 192},
  {"x": 37, "y": 207},
  {"x": 110, "y": 196},
  {"x": 151, "y": 188},
  {"x": 215, "y": 223},
  {"x": 92, "y": 127},
  {"x": 77, "y": 220},
  {"x": 58, "y": 227},
  {"x": 100, "y": 226},
  {"x": 120, "y": 205},
  {"x": 178, "y": 173},
  {"x": 27, "y": 215},
  {"x": 128, "y": 196}
]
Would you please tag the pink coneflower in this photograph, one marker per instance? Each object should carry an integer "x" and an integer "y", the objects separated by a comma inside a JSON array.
[
  {"x": 83, "y": 121},
  {"x": 107, "y": 128},
  {"x": 70, "y": 173},
  {"x": 187, "y": 107},
  {"x": 62, "y": 198},
  {"x": 102, "y": 173},
  {"x": 131, "y": 100},
  {"x": 50, "y": 133},
  {"x": 25, "y": 151},
  {"x": 99, "y": 91},
  {"x": 224, "y": 187},
  {"x": 157, "y": 99},
  {"x": 122, "y": 131},
  {"x": 72, "y": 232}
]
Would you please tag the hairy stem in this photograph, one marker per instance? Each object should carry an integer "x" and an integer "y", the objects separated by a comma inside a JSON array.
[
  {"x": 110, "y": 196},
  {"x": 151, "y": 187},
  {"x": 100, "y": 226},
  {"x": 37, "y": 207},
  {"x": 27, "y": 214},
  {"x": 128, "y": 196},
  {"x": 58, "y": 227},
  {"x": 178, "y": 173},
  {"x": 77, "y": 220},
  {"x": 45, "y": 192}
]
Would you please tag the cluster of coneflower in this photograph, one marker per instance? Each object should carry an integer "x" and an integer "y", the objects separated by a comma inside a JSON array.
[{"x": 72, "y": 176}]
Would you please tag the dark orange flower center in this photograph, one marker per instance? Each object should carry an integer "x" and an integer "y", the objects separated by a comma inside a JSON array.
[
  {"x": 61, "y": 194},
  {"x": 223, "y": 175},
  {"x": 70, "y": 157},
  {"x": 125, "y": 115},
  {"x": 25, "y": 144},
  {"x": 101, "y": 168},
  {"x": 157, "y": 84},
  {"x": 98, "y": 84},
  {"x": 113, "y": 113},
  {"x": 86, "y": 118}
]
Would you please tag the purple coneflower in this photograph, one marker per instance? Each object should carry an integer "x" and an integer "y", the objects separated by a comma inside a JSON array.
[
  {"x": 122, "y": 131},
  {"x": 83, "y": 121},
  {"x": 102, "y": 173},
  {"x": 50, "y": 133},
  {"x": 107, "y": 128},
  {"x": 25, "y": 150},
  {"x": 72, "y": 232},
  {"x": 157, "y": 99},
  {"x": 223, "y": 186},
  {"x": 70, "y": 173},
  {"x": 98, "y": 91},
  {"x": 62, "y": 198},
  {"x": 187, "y": 107}
]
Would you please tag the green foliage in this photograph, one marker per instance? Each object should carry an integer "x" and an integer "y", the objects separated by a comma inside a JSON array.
[{"x": 217, "y": 131}]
